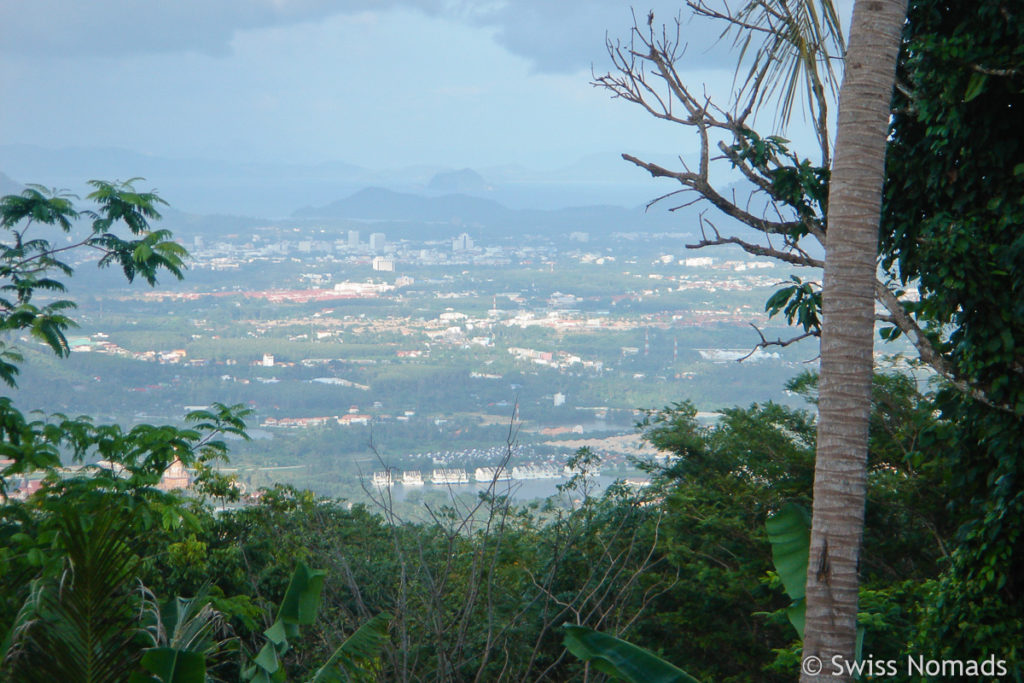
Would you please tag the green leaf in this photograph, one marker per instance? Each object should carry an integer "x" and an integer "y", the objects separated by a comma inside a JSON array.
[
  {"x": 267, "y": 660},
  {"x": 299, "y": 607},
  {"x": 86, "y": 621},
  {"x": 975, "y": 86},
  {"x": 356, "y": 658},
  {"x": 302, "y": 599},
  {"x": 276, "y": 634},
  {"x": 620, "y": 659},
  {"x": 797, "y": 613},
  {"x": 789, "y": 532},
  {"x": 170, "y": 665}
]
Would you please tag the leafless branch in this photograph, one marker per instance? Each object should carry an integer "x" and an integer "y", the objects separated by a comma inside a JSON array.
[
  {"x": 796, "y": 258},
  {"x": 700, "y": 184},
  {"x": 764, "y": 343},
  {"x": 989, "y": 71}
]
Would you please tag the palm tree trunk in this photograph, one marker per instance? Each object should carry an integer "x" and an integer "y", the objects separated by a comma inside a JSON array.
[{"x": 855, "y": 199}]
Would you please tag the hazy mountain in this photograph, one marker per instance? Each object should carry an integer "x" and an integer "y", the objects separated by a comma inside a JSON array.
[
  {"x": 9, "y": 185},
  {"x": 276, "y": 189},
  {"x": 193, "y": 185},
  {"x": 377, "y": 203},
  {"x": 486, "y": 216},
  {"x": 513, "y": 197},
  {"x": 465, "y": 181}
]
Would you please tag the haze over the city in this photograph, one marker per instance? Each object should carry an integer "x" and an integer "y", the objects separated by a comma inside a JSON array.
[{"x": 325, "y": 98}]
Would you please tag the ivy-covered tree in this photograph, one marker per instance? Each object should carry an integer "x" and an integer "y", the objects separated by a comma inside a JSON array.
[{"x": 952, "y": 227}]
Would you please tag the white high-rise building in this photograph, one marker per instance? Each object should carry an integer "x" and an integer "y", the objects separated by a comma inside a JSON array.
[
  {"x": 353, "y": 238},
  {"x": 377, "y": 241},
  {"x": 462, "y": 243}
]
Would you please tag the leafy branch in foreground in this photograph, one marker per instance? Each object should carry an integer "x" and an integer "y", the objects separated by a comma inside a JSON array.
[{"x": 31, "y": 264}]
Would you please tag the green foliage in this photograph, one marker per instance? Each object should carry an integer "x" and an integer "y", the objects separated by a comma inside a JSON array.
[
  {"x": 73, "y": 552},
  {"x": 189, "y": 637},
  {"x": 134, "y": 458},
  {"x": 952, "y": 227},
  {"x": 356, "y": 659},
  {"x": 795, "y": 182},
  {"x": 757, "y": 462},
  {"x": 29, "y": 263},
  {"x": 82, "y": 627},
  {"x": 799, "y": 302},
  {"x": 170, "y": 665},
  {"x": 789, "y": 532},
  {"x": 298, "y": 608},
  {"x": 619, "y": 659},
  {"x": 953, "y": 196},
  {"x": 725, "y": 481}
]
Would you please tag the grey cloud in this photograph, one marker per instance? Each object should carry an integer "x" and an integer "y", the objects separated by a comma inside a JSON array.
[
  {"x": 555, "y": 35},
  {"x": 567, "y": 36},
  {"x": 124, "y": 27}
]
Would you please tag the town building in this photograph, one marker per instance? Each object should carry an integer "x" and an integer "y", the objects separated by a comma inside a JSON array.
[{"x": 383, "y": 264}]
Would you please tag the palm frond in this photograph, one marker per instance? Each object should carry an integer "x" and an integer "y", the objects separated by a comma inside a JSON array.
[
  {"x": 191, "y": 640},
  {"x": 788, "y": 50},
  {"x": 84, "y": 626}
]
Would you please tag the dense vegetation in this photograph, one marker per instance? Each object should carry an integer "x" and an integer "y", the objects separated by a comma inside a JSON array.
[{"x": 91, "y": 563}]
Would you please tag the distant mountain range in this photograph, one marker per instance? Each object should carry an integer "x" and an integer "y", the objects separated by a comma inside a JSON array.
[
  {"x": 599, "y": 195},
  {"x": 275, "y": 190},
  {"x": 488, "y": 217}
]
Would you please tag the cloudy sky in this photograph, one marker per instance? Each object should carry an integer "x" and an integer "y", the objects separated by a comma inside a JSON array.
[{"x": 378, "y": 83}]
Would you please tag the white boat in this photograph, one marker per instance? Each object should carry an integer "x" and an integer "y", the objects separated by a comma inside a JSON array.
[
  {"x": 534, "y": 472},
  {"x": 570, "y": 472},
  {"x": 449, "y": 476},
  {"x": 412, "y": 478},
  {"x": 489, "y": 474}
]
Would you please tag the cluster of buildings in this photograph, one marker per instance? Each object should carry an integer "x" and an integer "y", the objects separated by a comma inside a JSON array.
[
  {"x": 276, "y": 244},
  {"x": 484, "y": 475},
  {"x": 352, "y": 417},
  {"x": 561, "y": 360},
  {"x": 100, "y": 343},
  {"x": 175, "y": 477}
]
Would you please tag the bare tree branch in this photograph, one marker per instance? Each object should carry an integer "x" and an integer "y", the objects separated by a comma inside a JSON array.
[
  {"x": 765, "y": 343},
  {"x": 797, "y": 259},
  {"x": 701, "y": 185}
]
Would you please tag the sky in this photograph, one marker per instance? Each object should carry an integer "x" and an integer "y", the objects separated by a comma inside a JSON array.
[{"x": 376, "y": 83}]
